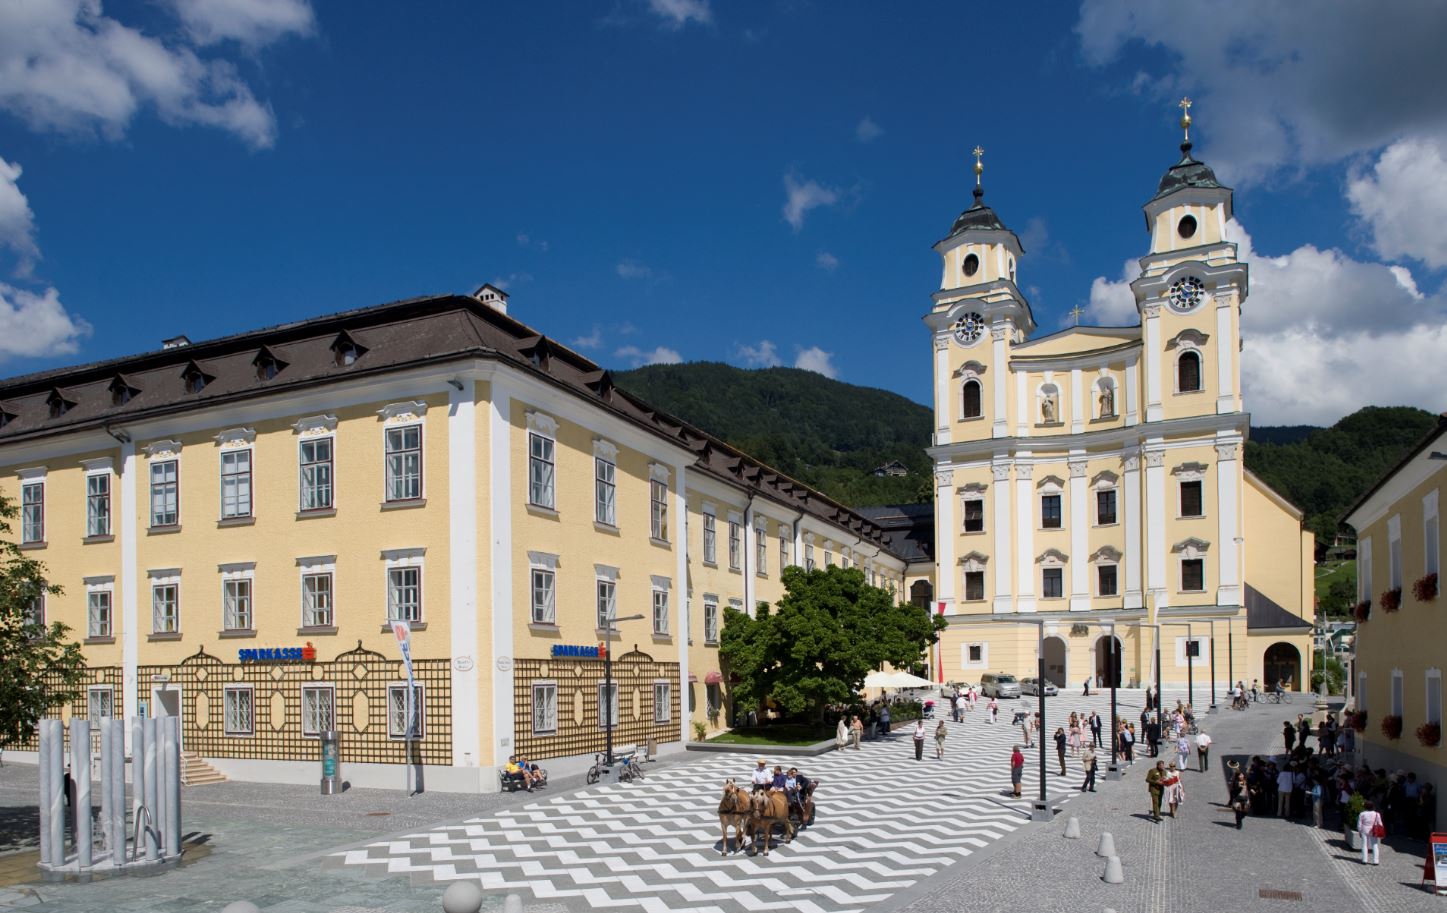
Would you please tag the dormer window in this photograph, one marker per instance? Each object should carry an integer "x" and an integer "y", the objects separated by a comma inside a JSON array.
[
  {"x": 57, "y": 404},
  {"x": 267, "y": 364},
  {"x": 346, "y": 351},
  {"x": 121, "y": 392},
  {"x": 194, "y": 379}
]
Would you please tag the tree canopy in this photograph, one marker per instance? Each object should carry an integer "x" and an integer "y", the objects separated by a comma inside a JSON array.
[
  {"x": 827, "y": 633},
  {"x": 39, "y": 668}
]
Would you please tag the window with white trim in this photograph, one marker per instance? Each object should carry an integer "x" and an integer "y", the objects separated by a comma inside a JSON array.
[
  {"x": 761, "y": 548},
  {"x": 235, "y": 483},
  {"x": 404, "y": 593},
  {"x": 808, "y": 557},
  {"x": 318, "y": 710},
  {"x": 98, "y": 504},
  {"x": 1194, "y": 650},
  {"x": 403, "y": 463},
  {"x": 1397, "y": 692},
  {"x": 1394, "y": 553},
  {"x": 98, "y": 608},
  {"x": 165, "y": 605},
  {"x": 736, "y": 536},
  {"x": 607, "y": 709},
  {"x": 1433, "y": 704},
  {"x": 236, "y": 604},
  {"x": 1192, "y": 502},
  {"x": 783, "y": 548},
  {"x": 315, "y": 456},
  {"x": 660, "y": 611},
  {"x": 1052, "y": 583},
  {"x": 100, "y": 703},
  {"x": 32, "y": 512},
  {"x": 165, "y": 493},
  {"x": 1365, "y": 590},
  {"x": 1188, "y": 371},
  {"x": 1052, "y": 492},
  {"x": 1361, "y": 695},
  {"x": 710, "y": 538},
  {"x": 658, "y": 509},
  {"x": 317, "y": 608},
  {"x": 397, "y": 727},
  {"x": 239, "y": 705},
  {"x": 974, "y": 655},
  {"x": 541, "y": 467},
  {"x": 545, "y": 606},
  {"x": 35, "y": 614},
  {"x": 607, "y": 591},
  {"x": 1105, "y": 507},
  {"x": 710, "y": 619},
  {"x": 605, "y": 491},
  {"x": 1193, "y": 575},
  {"x": 974, "y": 510},
  {"x": 545, "y": 708},
  {"x": 1107, "y": 582},
  {"x": 828, "y": 554},
  {"x": 971, "y": 401},
  {"x": 1431, "y": 534},
  {"x": 974, "y": 586},
  {"x": 662, "y": 701}
]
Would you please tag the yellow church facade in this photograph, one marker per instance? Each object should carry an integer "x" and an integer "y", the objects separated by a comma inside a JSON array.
[{"x": 1090, "y": 483}]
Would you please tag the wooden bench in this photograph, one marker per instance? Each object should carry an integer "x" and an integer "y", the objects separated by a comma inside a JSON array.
[{"x": 509, "y": 784}]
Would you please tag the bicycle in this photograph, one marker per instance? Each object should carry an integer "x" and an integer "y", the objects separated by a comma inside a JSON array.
[
  {"x": 632, "y": 770},
  {"x": 597, "y": 770},
  {"x": 1279, "y": 697}
]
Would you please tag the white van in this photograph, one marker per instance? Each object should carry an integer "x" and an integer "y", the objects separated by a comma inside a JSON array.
[{"x": 999, "y": 684}]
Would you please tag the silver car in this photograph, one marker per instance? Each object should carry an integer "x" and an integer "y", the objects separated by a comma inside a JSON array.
[
  {"x": 1031, "y": 686},
  {"x": 999, "y": 684}
]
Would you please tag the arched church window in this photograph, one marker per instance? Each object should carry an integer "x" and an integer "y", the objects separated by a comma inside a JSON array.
[
  {"x": 972, "y": 265},
  {"x": 970, "y": 400},
  {"x": 1188, "y": 372}
]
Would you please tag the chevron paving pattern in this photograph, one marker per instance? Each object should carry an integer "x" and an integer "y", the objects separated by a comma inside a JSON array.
[{"x": 883, "y": 823}]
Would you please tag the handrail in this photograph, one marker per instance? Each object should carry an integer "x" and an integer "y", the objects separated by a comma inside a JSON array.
[{"x": 136, "y": 831}]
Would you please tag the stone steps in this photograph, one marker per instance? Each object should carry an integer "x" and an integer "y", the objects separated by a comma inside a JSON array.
[{"x": 196, "y": 772}]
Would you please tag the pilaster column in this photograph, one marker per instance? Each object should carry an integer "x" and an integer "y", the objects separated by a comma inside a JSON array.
[
  {"x": 943, "y": 394},
  {"x": 462, "y": 561},
  {"x": 499, "y": 438},
  {"x": 1000, "y": 557},
  {"x": 1151, "y": 314},
  {"x": 1079, "y": 535},
  {"x": 1131, "y": 484},
  {"x": 1077, "y": 411},
  {"x": 1024, "y": 534},
  {"x": 947, "y": 534},
  {"x": 1132, "y": 393},
  {"x": 750, "y": 557},
  {"x": 1228, "y": 471},
  {"x": 1156, "y": 578},
  {"x": 683, "y": 611},
  {"x": 1225, "y": 354},
  {"x": 129, "y": 521},
  {"x": 1001, "y": 369}
]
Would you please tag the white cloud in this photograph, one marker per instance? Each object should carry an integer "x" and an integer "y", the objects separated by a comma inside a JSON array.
[
  {"x": 800, "y": 197},
  {"x": 632, "y": 269},
  {"x": 826, "y": 261},
  {"x": 250, "y": 22},
  {"x": 1324, "y": 334},
  {"x": 763, "y": 355},
  {"x": 17, "y": 222},
  {"x": 1403, "y": 201},
  {"x": 37, "y": 325},
  {"x": 593, "y": 340},
  {"x": 527, "y": 241},
  {"x": 659, "y": 356},
  {"x": 868, "y": 130},
  {"x": 678, "y": 13},
  {"x": 817, "y": 360},
  {"x": 511, "y": 279},
  {"x": 1279, "y": 85},
  {"x": 66, "y": 67}
]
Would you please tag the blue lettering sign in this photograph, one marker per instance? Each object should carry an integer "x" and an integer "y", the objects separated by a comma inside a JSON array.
[{"x": 575, "y": 651}]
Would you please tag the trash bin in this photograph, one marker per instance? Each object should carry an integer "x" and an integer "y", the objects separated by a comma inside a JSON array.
[{"x": 331, "y": 763}]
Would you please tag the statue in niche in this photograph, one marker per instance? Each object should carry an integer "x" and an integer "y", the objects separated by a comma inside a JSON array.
[
  {"x": 1048, "y": 412},
  {"x": 1107, "y": 401}
]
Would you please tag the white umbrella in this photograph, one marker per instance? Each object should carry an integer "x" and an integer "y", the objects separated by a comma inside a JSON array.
[{"x": 895, "y": 680}]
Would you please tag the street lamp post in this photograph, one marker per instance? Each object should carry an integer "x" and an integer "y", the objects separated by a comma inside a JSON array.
[
  {"x": 608, "y": 633},
  {"x": 1212, "y": 623}
]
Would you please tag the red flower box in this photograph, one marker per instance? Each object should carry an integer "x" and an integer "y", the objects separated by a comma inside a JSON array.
[
  {"x": 1430, "y": 734},
  {"x": 1425, "y": 589},
  {"x": 1392, "y": 727},
  {"x": 1359, "y": 721},
  {"x": 1362, "y": 610},
  {"x": 1391, "y": 600}
]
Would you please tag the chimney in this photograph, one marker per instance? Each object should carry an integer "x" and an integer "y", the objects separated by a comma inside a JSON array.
[
  {"x": 492, "y": 296},
  {"x": 175, "y": 342}
]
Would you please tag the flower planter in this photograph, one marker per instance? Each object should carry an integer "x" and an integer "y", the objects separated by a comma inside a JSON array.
[
  {"x": 1362, "y": 610},
  {"x": 1359, "y": 721},
  {"x": 1392, "y": 727},
  {"x": 1430, "y": 734},
  {"x": 1425, "y": 589},
  {"x": 1354, "y": 840},
  {"x": 1391, "y": 600}
]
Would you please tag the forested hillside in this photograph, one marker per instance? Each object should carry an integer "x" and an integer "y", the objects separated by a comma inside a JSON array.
[{"x": 823, "y": 432}]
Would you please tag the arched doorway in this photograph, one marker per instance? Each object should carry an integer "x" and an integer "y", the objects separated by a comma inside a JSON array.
[
  {"x": 1054, "y": 649},
  {"x": 1107, "y": 661},
  {"x": 921, "y": 594},
  {"x": 1282, "y": 663}
]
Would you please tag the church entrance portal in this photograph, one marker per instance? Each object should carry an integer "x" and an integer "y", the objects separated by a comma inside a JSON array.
[{"x": 1107, "y": 662}]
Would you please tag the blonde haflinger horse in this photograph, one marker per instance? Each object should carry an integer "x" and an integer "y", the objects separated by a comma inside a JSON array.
[
  {"x": 733, "y": 812},
  {"x": 766, "y": 809}
]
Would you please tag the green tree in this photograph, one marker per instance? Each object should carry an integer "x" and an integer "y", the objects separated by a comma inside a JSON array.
[
  {"x": 1339, "y": 598},
  {"x": 815, "y": 647},
  {"x": 39, "y": 669}
]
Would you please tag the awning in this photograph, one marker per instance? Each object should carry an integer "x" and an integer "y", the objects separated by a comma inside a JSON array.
[
  {"x": 692, "y": 678},
  {"x": 713, "y": 678}
]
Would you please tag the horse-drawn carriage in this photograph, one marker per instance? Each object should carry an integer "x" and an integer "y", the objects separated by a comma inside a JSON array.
[{"x": 760, "y": 812}]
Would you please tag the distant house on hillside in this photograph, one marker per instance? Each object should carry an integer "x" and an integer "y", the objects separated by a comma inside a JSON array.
[{"x": 892, "y": 468}]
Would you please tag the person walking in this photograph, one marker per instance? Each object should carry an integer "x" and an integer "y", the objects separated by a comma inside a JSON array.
[
  {"x": 856, "y": 731},
  {"x": 942, "y": 732},
  {"x": 1153, "y": 735},
  {"x": 994, "y": 708},
  {"x": 918, "y": 737},
  {"x": 1240, "y": 799},
  {"x": 1154, "y": 782},
  {"x": 841, "y": 735},
  {"x": 1303, "y": 730},
  {"x": 1074, "y": 735},
  {"x": 1087, "y": 686},
  {"x": 1017, "y": 770},
  {"x": 1203, "y": 750},
  {"x": 1183, "y": 748},
  {"x": 1288, "y": 735},
  {"x": 884, "y": 719},
  {"x": 1095, "y": 730},
  {"x": 1175, "y": 793},
  {"x": 1318, "y": 803},
  {"x": 1060, "y": 747},
  {"x": 1087, "y": 761},
  {"x": 1372, "y": 829},
  {"x": 1024, "y": 722},
  {"x": 1285, "y": 780}
]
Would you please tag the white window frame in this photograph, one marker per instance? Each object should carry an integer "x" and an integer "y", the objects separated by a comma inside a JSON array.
[
  {"x": 1191, "y": 549},
  {"x": 966, "y": 585},
  {"x": 1432, "y": 699},
  {"x": 107, "y": 694},
  {"x": 236, "y": 488},
  {"x": 1431, "y": 535},
  {"x": 661, "y": 606},
  {"x": 828, "y": 553},
  {"x": 984, "y": 660},
  {"x": 32, "y": 512},
  {"x": 398, "y": 733},
  {"x": 312, "y": 728},
  {"x": 97, "y": 503},
  {"x": 974, "y": 563},
  {"x": 1394, "y": 552},
  {"x": 542, "y": 588},
  {"x": 402, "y": 560},
  {"x": 167, "y": 579},
  {"x": 1059, "y": 572},
  {"x": 238, "y": 596},
  {"x": 321, "y": 566},
  {"x": 1203, "y": 655},
  {"x": 736, "y": 542},
  {"x": 809, "y": 556},
  {"x": 316, "y": 478},
  {"x": 1051, "y": 487},
  {"x": 971, "y": 377},
  {"x": 605, "y": 594},
  {"x": 403, "y": 475},
  {"x": 605, "y": 721},
  {"x": 761, "y": 548},
  {"x": 542, "y": 461},
  {"x": 605, "y": 483},
  {"x": 1181, "y": 499},
  {"x": 231, "y": 711},
  {"x": 972, "y": 494},
  {"x": 1361, "y": 695},
  {"x": 547, "y": 687},
  {"x": 1186, "y": 348},
  {"x": 658, "y": 503},
  {"x": 1115, "y": 498},
  {"x": 166, "y": 492},
  {"x": 1365, "y": 590},
  {"x": 1052, "y": 560},
  {"x": 1399, "y": 695},
  {"x": 1181, "y": 568},
  {"x": 100, "y": 589},
  {"x": 662, "y": 711},
  {"x": 783, "y": 548},
  {"x": 710, "y": 535},
  {"x": 1099, "y": 590},
  {"x": 710, "y": 619}
]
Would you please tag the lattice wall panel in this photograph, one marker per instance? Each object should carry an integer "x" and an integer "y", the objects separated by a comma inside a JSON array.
[
  {"x": 111, "y": 676},
  {"x": 579, "y": 729}
]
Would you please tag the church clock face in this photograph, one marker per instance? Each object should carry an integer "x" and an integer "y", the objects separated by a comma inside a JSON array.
[
  {"x": 1186, "y": 293},
  {"x": 969, "y": 329}
]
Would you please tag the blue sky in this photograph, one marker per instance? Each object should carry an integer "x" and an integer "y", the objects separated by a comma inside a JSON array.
[{"x": 757, "y": 183}]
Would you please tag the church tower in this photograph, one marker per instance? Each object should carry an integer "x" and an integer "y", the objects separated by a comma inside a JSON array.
[{"x": 978, "y": 314}]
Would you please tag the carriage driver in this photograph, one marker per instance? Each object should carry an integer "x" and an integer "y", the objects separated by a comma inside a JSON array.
[{"x": 763, "y": 777}]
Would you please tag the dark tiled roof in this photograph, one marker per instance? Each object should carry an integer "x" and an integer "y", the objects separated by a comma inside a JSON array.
[
  {"x": 909, "y": 529},
  {"x": 1262, "y": 612},
  {"x": 389, "y": 337},
  {"x": 979, "y": 217},
  {"x": 1187, "y": 173}
]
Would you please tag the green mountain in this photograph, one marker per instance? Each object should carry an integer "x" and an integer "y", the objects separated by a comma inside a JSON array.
[
  {"x": 832, "y": 435},
  {"x": 825, "y": 433}
]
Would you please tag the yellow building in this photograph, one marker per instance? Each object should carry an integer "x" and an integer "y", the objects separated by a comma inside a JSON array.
[
  {"x": 1091, "y": 479},
  {"x": 1401, "y": 629},
  {"x": 237, "y": 522}
]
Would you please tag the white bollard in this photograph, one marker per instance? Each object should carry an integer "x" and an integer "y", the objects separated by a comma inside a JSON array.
[
  {"x": 1107, "y": 845},
  {"x": 1113, "y": 873},
  {"x": 462, "y": 897},
  {"x": 512, "y": 903},
  {"x": 1072, "y": 829}
]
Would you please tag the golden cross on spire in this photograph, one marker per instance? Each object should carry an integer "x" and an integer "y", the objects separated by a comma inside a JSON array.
[
  {"x": 979, "y": 165},
  {"x": 1185, "y": 106},
  {"x": 1076, "y": 312}
]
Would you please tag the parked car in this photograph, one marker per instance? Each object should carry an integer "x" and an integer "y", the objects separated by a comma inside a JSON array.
[
  {"x": 1031, "y": 686},
  {"x": 999, "y": 684}
]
